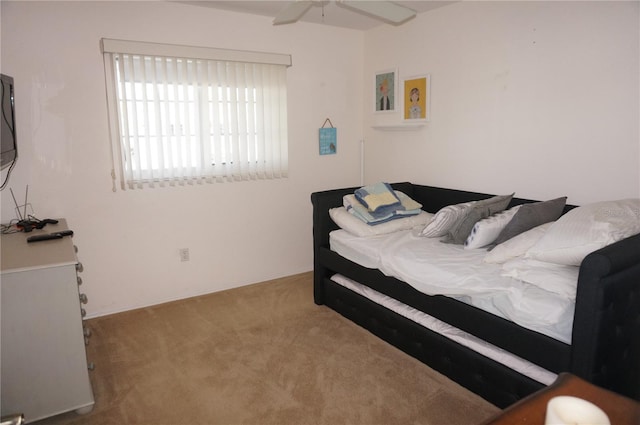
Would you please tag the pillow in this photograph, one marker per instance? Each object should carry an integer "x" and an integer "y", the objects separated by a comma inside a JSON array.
[
  {"x": 444, "y": 219},
  {"x": 516, "y": 246},
  {"x": 357, "y": 227},
  {"x": 487, "y": 230},
  {"x": 586, "y": 229},
  {"x": 532, "y": 215},
  {"x": 481, "y": 209}
]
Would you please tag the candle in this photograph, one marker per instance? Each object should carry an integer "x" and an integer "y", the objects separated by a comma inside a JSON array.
[{"x": 566, "y": 410}]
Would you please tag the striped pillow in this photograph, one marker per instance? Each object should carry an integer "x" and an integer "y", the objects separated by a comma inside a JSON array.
[
  {"x": 481, "y": 209},
  {"x": 487, "y": 230},
  {"x": 444, "y": 219}
]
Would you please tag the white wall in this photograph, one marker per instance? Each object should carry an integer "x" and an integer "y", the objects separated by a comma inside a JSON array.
[
  {"x": 237, "y": 233},
  {"x": 541, "y": 98}
]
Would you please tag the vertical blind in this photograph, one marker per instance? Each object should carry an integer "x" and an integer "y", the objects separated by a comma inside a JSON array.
[{"x": 181, "y": 114}]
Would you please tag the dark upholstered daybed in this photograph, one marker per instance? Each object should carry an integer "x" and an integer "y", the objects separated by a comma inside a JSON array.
[{"x": 605, "y": 337}]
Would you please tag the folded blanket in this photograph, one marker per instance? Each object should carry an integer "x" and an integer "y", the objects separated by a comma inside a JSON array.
[
  {"x": 408, "y": 207},
  {"x": 378, "y": 197},
  {"x": 354, "y": 207},
  {"x": 407, "y": 203}
]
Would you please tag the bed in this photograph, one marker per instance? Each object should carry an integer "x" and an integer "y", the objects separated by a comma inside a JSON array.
[{"x": 495, "y": 355}]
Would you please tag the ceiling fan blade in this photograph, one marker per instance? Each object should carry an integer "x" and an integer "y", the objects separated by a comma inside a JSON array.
[
  {"x": 292, "y": 12},
  {"x": 384, "y": 10}
]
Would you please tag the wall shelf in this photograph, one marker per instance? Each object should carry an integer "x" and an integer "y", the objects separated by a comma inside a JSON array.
[{"x": 398, "y": 127}]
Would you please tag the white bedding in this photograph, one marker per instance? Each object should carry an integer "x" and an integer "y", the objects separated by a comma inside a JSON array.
[
  {"x": 488, "y": 350},
  {"x": 434, "y": 268}
]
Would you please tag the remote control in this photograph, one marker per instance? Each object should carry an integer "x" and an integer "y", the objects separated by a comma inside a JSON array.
[
  {"x": 48, "y": 236},
  {"x": 44, "y": 237}
]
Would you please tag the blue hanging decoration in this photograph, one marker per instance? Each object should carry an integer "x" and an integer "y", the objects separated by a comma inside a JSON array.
[{"x": 328, "y": 139}]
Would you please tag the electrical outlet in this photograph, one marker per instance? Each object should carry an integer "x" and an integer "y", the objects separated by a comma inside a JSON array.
[{"x": 184, "y": 254}]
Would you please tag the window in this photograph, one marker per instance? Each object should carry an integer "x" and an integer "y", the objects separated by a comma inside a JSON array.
[{"x": 182, "y": 114}]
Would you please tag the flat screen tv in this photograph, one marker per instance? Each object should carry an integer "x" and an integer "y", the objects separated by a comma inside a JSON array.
[{"x": 8, "y": 140}]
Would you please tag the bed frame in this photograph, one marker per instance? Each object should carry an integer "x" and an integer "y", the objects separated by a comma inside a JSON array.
[{"x": 605, "y": 348}]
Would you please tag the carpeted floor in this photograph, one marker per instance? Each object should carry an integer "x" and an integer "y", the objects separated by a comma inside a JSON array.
[{"x": 260, "y": 354}]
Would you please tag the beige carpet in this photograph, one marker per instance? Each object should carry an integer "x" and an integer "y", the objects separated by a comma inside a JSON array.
[{"x": 261, "y": 354}]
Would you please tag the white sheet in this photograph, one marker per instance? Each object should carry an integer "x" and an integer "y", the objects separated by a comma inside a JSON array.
[
  {"x": 482, "y": 347},
  {"x": 433, "y": 267}
]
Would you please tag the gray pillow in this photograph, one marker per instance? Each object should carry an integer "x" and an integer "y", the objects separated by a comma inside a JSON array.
[
  {"x": 479, "y": 210},
  {"x": 530, "y": 216}
]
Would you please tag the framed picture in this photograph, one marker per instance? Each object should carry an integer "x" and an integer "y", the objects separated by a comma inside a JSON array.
[
  {"x": 386, "y": 91},
  {"x": 417, "y": 91}
]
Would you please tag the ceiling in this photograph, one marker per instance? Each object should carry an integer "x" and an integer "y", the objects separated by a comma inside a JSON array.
[{"x": 324, "y": 12}]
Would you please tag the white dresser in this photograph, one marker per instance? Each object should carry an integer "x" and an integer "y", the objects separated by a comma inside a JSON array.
[{"x": 44, "y": 363}]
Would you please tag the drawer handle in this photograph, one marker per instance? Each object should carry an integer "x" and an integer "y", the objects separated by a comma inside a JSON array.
[
  {"x": 79, "y": 267},
  {"x": 79, "y": 280},
  {"x": 84, "y": 299},
  {"x": 91, "y": 366},
  {"x": 83, "y": 312},
  {"x": 86, "y": 332}
]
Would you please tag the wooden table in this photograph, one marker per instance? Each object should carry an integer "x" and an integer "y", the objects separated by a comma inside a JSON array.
[{"x": 531, "y": 410}]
